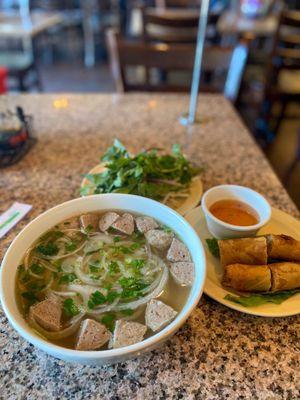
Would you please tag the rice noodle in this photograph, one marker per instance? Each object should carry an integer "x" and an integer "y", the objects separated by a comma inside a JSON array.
[
  {"x": 48, "y": 285},
  {"x": 27, "y": 257},
  {"x": 46, "y": 264},
  {"x": 35, "y": 275}
]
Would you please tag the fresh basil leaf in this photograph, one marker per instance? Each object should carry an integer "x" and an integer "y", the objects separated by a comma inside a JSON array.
[{"x": 149, "y": 173}]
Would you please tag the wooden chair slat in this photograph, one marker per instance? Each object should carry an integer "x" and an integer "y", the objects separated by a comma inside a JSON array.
[{"x": 168, "y": 58}]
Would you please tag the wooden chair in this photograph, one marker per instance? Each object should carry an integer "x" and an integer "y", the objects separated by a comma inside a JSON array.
[
  {"x": 22, "y": 68},
  {"x": 177, "y": 3},
  {"x": 170, "y": 57},
  {"x": 176, "y": 26},
  {"x": 283, "y": 72},
  {"x": 161, "y": 26}
]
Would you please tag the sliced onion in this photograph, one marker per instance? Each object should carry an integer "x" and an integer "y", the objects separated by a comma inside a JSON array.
[
  {"x": 48, "y": 285},
  {"x": 102, "y": 236},
  {"x": 85, "y": 278},
  {"x": 64, "y": 293},
  {"x": 27, "y": 257},
  {"x": 156, "y": 292},
  {"x": 105, "y": 309},
  {"x": 153, "y": 285},
  {"x": 67, "y": 265}
]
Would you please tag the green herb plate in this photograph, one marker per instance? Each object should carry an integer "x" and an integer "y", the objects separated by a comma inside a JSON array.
[{"x": 188, "y": 204}]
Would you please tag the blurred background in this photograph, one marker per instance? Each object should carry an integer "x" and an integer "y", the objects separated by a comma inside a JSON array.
[{"x": 252, "y": 55}]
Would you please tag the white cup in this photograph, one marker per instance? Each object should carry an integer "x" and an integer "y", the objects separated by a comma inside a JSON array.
[{"x": 222, "y": 230}]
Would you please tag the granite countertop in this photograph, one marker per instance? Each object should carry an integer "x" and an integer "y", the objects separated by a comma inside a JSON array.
[{"x": 219, "y": 353}]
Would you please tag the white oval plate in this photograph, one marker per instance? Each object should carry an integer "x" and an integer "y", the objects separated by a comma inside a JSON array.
[
  {"x": 280, "y": 223},
  {"x": 196, "y": 190}
]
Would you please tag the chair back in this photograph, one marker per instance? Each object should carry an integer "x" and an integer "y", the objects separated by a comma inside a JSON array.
[
  {"x": 176, "y": 25},
  {"x": 177, "y": 3},
  {"x": 167, "y": 26},
  {"x": 174, "y": 57},
  {"x": 286, "y": 46}
]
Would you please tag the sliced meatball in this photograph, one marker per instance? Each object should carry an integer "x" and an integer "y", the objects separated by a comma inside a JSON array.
[
  {"x": 178, "y": 252},
  {"x": 89, "y": 222},
  {"x": 92, "y": 335},
  {"x": 127, "y": 333},
  {"x": 48, "y": 313},
  {"x": 158, "y": 314},
  {"x": 159, "y": 238},
  {"x": 124, "y": 224},
  {"x": 145, "y": 224},
  {"x": 107, "y": 220},
  {"x": 183, "y": 272}
]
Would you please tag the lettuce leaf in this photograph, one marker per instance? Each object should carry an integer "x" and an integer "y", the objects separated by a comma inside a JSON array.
[
  {"x": 255, "y": 300},
  {"x": 213, "y": 247}
]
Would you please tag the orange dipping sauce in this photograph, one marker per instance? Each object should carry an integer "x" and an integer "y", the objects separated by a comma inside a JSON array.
[{"x": 234, "y": 212}]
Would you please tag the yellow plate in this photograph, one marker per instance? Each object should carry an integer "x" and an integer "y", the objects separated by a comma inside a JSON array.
[
  {"x": 187, "y": 204},
  {"x": 280, "y": 223}
]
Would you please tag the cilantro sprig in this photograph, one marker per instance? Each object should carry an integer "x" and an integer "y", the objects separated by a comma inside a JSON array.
[{"x": 70, "y": 309}]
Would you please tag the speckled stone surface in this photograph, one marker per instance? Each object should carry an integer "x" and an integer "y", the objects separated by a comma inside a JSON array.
[{"x": 219, "y": 353}]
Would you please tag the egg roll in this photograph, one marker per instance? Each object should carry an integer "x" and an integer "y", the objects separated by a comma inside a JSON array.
[
  {"x": 283, "y": 247},
  {"x": 251, "y": 251},
  {"x": 285, "y": 276},
  {"x": 247, "y": 278}
]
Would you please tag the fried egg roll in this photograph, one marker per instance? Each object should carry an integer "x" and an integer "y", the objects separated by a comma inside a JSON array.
[
  {"x": 247, "y": 278},
  {"x": 285, "y": 276},
  {"x": 251, "y": 251},
  {"x": 283, "y": 247}
]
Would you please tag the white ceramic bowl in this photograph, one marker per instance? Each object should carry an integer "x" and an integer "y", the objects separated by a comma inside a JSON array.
[
  {"x": 94, "y": 203},
  {"x": 223, "y": 230}
]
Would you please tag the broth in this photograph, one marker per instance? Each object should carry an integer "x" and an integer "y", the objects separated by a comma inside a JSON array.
[
  {"x": 234, "y": 212},
  {"x": 81, "y": 275}
]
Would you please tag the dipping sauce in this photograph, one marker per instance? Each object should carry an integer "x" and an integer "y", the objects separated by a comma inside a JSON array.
[{"x": 234, "y": 212}]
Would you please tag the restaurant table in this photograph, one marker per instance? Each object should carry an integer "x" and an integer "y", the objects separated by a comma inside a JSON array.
[
  {"x": 219, "y": 353},
  {"x": 232, "y": 23},
  {"x": 14, "y": 26}
]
